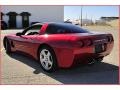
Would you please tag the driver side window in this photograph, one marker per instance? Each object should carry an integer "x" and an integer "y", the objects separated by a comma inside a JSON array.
[{"x": 33, "y": 30}]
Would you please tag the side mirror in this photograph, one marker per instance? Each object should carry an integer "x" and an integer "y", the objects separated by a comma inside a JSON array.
[{"x": 18, "y": 34}]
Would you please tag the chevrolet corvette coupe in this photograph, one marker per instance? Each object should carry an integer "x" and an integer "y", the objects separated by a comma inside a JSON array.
[{"x": 57, "y": 45}]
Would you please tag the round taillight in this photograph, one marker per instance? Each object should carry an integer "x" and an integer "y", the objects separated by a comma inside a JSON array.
[
  {"x": 88, "y": 42},
  {"x": 110, "y": 38},
  {"x": 80, "y": 43}
]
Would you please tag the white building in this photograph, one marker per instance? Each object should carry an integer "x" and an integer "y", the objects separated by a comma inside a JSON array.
[
  {"x": 28, "y": 14},
  {"x": 84, "y": 22}
]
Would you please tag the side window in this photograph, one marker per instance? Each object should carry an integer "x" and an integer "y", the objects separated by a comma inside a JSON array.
[{"x": 33, "y": 30}]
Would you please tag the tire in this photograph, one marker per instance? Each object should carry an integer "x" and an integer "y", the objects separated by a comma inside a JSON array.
[
  {"x": 47, "y": 59},
  {"x": 7, "y": 46}
]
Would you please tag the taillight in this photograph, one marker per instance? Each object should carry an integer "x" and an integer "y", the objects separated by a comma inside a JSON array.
[
  {"x": 110, "y": 38},
  {"x": 88, "y": 42},
  {"x": 80, "y": 43},
  {"x": 83, "y": 43}
]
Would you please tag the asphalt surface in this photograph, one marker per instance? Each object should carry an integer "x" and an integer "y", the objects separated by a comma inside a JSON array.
[{"x": 19, "y": 69}]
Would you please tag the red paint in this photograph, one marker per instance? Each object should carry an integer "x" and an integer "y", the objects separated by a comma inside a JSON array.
[
  {"x": 42, "y": 30},
  {"x": 67, "y": 47}
]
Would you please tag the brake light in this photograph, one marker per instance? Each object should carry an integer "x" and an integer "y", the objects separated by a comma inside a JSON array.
[
  {"x": 80, "y": 43},
  {"x": 88, "y": 42},
  {"x": 110, "y": 38}
]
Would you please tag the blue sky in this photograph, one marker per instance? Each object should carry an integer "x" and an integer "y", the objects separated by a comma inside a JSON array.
[{"x": 94, "y": 12}]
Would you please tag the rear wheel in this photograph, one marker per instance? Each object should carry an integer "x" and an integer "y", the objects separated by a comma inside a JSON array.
[{"x": 47, "y": 59}]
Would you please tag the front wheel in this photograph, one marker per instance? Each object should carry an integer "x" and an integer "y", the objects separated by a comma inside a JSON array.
[
  {"x": 7, "y": 46},
  {"x": 47, "y": 59}
]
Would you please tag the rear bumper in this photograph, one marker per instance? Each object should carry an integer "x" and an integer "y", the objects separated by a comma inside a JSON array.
[
  {"x": 83, "y": 54},
  {"x": 67, "y": 57},
  {"x": 91, "y": 49}
]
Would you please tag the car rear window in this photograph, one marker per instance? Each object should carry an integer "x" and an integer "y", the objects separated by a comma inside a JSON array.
[{"x": 64, "y": 28}]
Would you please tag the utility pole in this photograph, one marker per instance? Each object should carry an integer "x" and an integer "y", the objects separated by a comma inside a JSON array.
[
  {"x": 86, "y": 16},
  {"x": 81, "y": 16},
  {"x": 79, "y": 20}
]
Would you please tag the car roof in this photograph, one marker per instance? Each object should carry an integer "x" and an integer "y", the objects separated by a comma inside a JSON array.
[
  {"x": 53, "y": 23},
  {"x": 38, "y": 23}
]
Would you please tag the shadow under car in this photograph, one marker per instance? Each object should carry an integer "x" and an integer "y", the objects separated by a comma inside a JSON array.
[{"x": 99, "y": 73}]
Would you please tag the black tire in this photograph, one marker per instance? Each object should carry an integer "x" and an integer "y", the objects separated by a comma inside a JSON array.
[
  {"x": 54, "y": 66},
  {"x": 7, "y": 45}
]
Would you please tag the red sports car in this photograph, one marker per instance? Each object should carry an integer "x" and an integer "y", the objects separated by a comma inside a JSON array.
[{"x": 60, "y": 44}]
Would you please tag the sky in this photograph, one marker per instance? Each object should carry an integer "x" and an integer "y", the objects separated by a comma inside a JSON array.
[{"x": 90, "y": 12}]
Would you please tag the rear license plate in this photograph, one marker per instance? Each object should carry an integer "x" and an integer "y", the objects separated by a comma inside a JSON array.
[{"x": 99, "y": 48}]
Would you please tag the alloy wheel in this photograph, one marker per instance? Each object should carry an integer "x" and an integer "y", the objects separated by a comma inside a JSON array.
[{"x": 46, "y": 59}]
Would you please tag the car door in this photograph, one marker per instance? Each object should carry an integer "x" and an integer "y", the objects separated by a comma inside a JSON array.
[{"x": 26, "y": 42}]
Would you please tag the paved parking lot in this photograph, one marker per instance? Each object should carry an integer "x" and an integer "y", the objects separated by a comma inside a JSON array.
[{"x": 19, "y": 69}]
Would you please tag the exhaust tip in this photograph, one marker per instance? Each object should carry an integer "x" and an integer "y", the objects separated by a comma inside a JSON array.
[{"x": 91, "y": 61}]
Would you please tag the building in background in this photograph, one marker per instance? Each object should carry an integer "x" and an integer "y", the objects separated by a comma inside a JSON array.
[
  {"x": 85, "y": 22},
  {"x": 23, "y": 16},
  {"x": 109, "y": 18},
  {"x": 105, "y": 20}
]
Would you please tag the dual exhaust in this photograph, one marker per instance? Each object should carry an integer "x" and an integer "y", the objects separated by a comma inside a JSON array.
[{"x": 93, "y": 60}]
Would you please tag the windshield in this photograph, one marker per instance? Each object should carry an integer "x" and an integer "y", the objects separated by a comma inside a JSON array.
[{"x": 64, "y": 28}]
